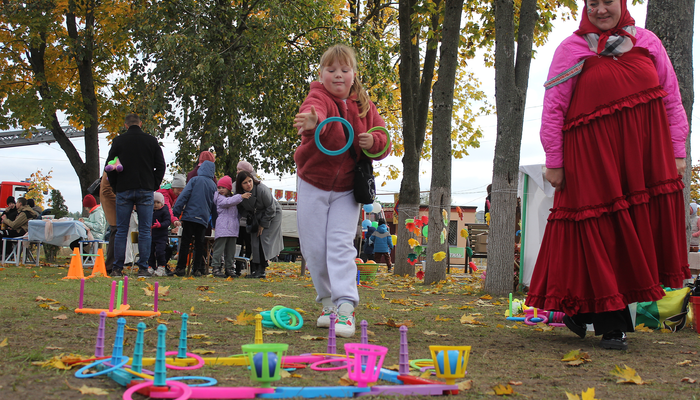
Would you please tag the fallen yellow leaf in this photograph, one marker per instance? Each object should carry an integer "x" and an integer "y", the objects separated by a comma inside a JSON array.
[
  {"x": 465, "y": 385},
  {"x": 501, "y": 390},
  {"x": 642, "y": 328},
  {"x": 627, "y": 375},
  {"x": 309, "y": 337},
  {"x": 3, "y": 343},
  {"x": 587, "y": 395},
  {"x": 202, "y": 351},
  {"x": 89, "y": 390}
]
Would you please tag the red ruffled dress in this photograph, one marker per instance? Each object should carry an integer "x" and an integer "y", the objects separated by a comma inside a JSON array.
[{"x": 617, "y": 229}]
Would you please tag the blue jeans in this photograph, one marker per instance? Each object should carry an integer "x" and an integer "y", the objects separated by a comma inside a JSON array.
[{"x": 126, "y": 201}]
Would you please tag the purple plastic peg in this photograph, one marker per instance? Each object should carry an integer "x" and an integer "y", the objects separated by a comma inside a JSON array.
[
  {"x": 100, "y": 344},
  {"x": 82, "y": 292},
  {"x": 111, "y": 297},
  {"x": 155, "y": 297},
  {"x": 331, "y": 336},
  {"x": 403, "y": 350}
]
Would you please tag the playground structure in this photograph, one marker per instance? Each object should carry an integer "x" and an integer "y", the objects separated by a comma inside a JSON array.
[
  {"x": 363, "y": 362},
  {"x": 122, "y": 309}
]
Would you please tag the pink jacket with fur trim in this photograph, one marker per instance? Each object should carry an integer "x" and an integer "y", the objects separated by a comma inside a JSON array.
[
  {"x": 556, "y": 99},
  {"x": 335, "y": 173}
]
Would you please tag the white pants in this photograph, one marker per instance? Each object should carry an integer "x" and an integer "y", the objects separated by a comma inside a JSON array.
[{"x": 327, "y": 223}]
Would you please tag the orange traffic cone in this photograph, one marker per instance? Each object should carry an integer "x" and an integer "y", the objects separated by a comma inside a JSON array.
[
  {"x": 75, "y": 271},
  {"x": 99, "y": 267}
]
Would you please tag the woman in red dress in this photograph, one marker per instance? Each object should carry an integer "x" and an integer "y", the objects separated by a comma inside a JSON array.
[{"x": 614, "y": 131}]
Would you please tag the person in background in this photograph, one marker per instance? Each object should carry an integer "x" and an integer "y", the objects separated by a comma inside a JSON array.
[
  {"x": 226, "y": 224},
  {"x": 143, "y": 168},
  {"x": 11, "y": 209},
  {"x": 368, "y": 248},
  {"x": 170, "y": 196},
  {"x": 614, "y": 131},
  {"x": 203, "y": 156},
  {"x": 194, "y": 206},
  {"x": 159, "y": 236},
  {"x": 108, "y": 200},
  {"x": 694, "y": 227},
  {"x": 243, "y": 235},
  {"x": 31, "y": 203},
  {"x": 20, "y": 224},
  {"x": 263, "y": 222},
  {"x": 381, "y": 240},
  {"x": 95, "y": 224}
]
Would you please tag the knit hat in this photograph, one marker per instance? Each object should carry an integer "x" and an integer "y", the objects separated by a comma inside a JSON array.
[
  {"x": 157, "y": 196},
  {"x": 89, "y": 201},
  {"x": 179, "y": 181},
  {"x": 225, "y": 182},
  {"x": 245, "y": 166},
  {"x": 693, "y": 208},
  {"x": 206, "y": 156},
  {"x": 11, "y": 200}
]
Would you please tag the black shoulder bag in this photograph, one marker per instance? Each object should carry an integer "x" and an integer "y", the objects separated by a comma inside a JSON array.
[{"x": 364, "y": 188}]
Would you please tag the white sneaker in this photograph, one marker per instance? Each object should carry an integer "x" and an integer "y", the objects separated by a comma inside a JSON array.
[
  {"x": 160, "y": 272},
  {"x": 324, "y": 320},
  {"x": 345, "y": 325},
  {"x": 151, "y": 271}
]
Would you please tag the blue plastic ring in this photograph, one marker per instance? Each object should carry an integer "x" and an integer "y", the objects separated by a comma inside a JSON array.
[
  {"x": 79, "y": 373},
  {"x": 351, "y": 136},
  {"x": 208, "y": 381}
]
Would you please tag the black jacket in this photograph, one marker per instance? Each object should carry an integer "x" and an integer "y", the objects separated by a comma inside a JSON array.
[{"x": 142, "y": 159}]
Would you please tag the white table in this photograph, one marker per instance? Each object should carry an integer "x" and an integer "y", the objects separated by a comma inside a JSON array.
[{"x": 64, "y": 232}]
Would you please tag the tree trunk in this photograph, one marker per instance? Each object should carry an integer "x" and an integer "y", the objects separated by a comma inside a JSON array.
[
  {"x": 672, "y": 21},
  {"x": 441, "y": 180},
  {"x": 415, "y": 96},
  {"x": 511, "y": 87}
]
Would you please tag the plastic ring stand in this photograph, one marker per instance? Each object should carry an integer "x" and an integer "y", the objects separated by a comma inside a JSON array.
[
  {"x": 351, "y": 136},
  {"x": 388, "y": 141}
]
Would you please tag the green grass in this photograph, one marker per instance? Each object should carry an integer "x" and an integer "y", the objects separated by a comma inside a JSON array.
[{"x": 502, "y": 351}]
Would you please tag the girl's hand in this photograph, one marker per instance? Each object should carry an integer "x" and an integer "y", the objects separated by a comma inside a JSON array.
[
  {"x": 260, "y": 229},
  {"x": 366, "y": 140},
  {"x": 177, "y": 223},
  {"x": 555, "y": 176},
  {"x": 306, "y": 121},
  {"x": 246, "y": 195},
  {"x": 680, "y": 166}
]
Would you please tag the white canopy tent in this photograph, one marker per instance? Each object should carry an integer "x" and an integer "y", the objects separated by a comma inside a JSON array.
[{"x": 537, "y": 199}]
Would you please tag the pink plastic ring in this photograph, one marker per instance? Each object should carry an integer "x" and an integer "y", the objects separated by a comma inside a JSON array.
[
  {"x": 186, "y": 390},
  {"x": 529, "y": 318},
  {"x": 315, "y": 365},
  {"x": 200, "y": 363}
]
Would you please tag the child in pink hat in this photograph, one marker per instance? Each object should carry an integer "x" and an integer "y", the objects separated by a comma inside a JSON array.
[{"x": 226, "y": 227}]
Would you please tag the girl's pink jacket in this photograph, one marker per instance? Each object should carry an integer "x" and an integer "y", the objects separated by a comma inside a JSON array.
[
  {"x": 556, "y": 99},
  {"x": 335, "y": 173}
]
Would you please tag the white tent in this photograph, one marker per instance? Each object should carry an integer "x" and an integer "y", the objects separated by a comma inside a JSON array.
[{"x": 537, "y": 199}]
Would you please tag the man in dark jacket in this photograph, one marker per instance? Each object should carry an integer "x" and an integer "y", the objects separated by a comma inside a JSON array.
[
  {"x": 194, "y": 206},
  {"x": 143, "y": 168}
]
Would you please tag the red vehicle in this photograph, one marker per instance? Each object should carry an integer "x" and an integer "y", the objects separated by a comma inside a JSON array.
[{"x": 16, "y": 189}]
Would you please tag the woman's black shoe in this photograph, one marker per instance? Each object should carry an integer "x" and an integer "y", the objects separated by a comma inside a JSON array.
[
  {"x": 615, "y": 340},
  {"x": 580, "y": 330}
]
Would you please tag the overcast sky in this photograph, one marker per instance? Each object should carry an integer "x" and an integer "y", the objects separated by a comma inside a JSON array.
[{"x": 470, "y": 175}]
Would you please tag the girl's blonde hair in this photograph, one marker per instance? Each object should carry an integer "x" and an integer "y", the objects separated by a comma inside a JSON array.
[{"x": 346, "y": 55}]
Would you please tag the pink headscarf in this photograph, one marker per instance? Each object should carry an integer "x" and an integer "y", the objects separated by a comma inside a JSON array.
[{"x": 586, "y": 26}]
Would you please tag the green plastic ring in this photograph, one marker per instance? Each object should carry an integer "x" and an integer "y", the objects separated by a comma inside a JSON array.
[
  {"x": 414, "y": 363},
  {"x": 273, "y": 313},
  {"x": 294, "y": 316},
  {"x": 388, "y": 141}
]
